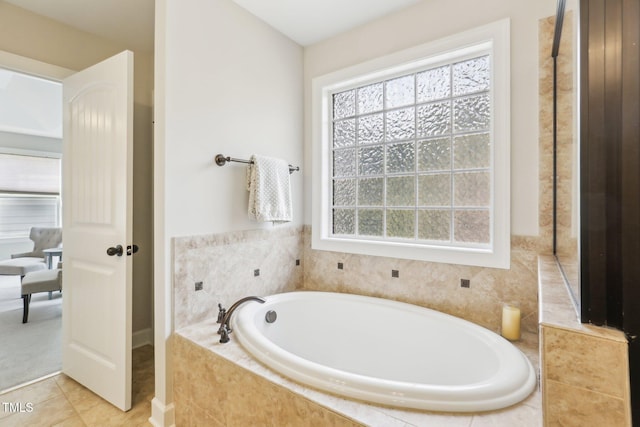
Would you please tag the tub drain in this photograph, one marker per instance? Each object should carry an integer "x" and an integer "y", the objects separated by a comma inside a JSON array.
[{"x": 271, "y": 316}]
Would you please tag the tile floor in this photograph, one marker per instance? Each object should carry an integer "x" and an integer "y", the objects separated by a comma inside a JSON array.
[{"x": 61, "y": 402}]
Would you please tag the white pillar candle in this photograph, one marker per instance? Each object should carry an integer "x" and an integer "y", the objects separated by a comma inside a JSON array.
[{"x": 510, "y": 322}]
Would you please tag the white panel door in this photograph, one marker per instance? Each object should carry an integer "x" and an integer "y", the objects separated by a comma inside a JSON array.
[{"x": 97, "y": 215}]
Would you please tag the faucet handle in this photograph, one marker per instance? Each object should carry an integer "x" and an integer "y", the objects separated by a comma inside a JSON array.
[
  {"x": 221, "y": 313},
  {"x": 224, "y": 334}
]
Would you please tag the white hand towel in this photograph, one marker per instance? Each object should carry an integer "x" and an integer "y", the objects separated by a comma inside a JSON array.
[{"x": 269, "y": 185}]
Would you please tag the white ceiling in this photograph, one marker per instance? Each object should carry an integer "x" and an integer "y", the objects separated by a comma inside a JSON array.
[
  {"x": 309, "y": 21},
  {"x": 131, "y": 21}
]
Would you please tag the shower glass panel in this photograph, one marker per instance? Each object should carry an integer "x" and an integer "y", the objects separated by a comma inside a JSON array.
[{"x": 566, "y": 166}]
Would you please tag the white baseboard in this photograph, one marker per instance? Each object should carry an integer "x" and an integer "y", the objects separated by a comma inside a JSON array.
[
  {"x": 162, "y": 415},
  {"x": 142, "y": 337}
]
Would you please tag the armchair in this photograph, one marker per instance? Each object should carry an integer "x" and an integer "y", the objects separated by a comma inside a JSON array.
[
  {"x": 39, "y": 281},
  {"x": 23, "y": 263},
  {"x": 43, "y": 238}
]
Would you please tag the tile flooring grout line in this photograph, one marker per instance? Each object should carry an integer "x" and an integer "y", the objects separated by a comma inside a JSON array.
[{"x": 75, "y": 410}]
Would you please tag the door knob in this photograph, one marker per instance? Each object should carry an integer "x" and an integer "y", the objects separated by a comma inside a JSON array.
[
  {"x": 118, "y": 250},
  {"x": 132, "y": 249}
]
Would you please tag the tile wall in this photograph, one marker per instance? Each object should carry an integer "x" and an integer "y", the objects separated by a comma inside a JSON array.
[
  {"x": 210, "y": 390},
  {"x": 567, "y": 144},
  {"x": 584, "y": 368},
  {"x": 433, "y": 285},
  {"x": 227, "y": 265}
]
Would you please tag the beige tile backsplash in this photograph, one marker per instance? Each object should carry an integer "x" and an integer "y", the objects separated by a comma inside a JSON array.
[
  {"x": 225, "y": 265},
  {"x": 433, "y": 285}
]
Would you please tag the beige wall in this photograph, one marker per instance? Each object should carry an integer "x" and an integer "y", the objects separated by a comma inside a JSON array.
[
  {"x": 226, "y": 83},
  {"x": 26, "y": 34},
  {"x": 237, "y": 90},
  {"x": 36, "y": 37},
  {"x": 233, "y": 86}
]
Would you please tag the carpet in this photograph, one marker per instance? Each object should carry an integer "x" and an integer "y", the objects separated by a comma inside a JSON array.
[{"x": 31, "y": 350}]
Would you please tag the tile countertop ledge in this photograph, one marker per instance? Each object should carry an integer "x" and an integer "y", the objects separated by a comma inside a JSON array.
[
  {"x": 556, "y": 308},
  {"x": 528, "y": 413}
]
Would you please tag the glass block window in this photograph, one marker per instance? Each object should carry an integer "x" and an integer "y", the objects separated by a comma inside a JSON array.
[
  {"x": 411, "y": 153},
  {"x": 412, "y": 156}
]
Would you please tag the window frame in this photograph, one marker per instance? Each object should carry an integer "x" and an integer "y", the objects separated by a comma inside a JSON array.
[{"x": 492, "y": 39}]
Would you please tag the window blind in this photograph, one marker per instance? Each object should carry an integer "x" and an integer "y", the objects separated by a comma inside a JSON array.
[
  {"x": 29, "y": 194},
  {"x": 19, "y": 213},
  {"x": 29, "y": 175}
]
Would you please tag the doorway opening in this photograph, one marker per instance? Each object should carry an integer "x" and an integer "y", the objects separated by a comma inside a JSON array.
[{"x": 30, "y": 197}]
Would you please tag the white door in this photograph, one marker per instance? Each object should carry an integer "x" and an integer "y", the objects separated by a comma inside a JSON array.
[{"x": 96, "y": 215}]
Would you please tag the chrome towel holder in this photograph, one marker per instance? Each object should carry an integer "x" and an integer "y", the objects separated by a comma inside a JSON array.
[{"x": 222, "y": 160}]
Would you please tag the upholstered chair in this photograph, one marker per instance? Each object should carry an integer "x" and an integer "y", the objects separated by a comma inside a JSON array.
[
  {"x": 39, "y": 281},
  {"x": 43, "y": 238},
  {"x": 27, "y": 262}
]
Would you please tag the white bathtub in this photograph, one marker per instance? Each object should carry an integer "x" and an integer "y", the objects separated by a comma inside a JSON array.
[{"x": 385, "y": 352}]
